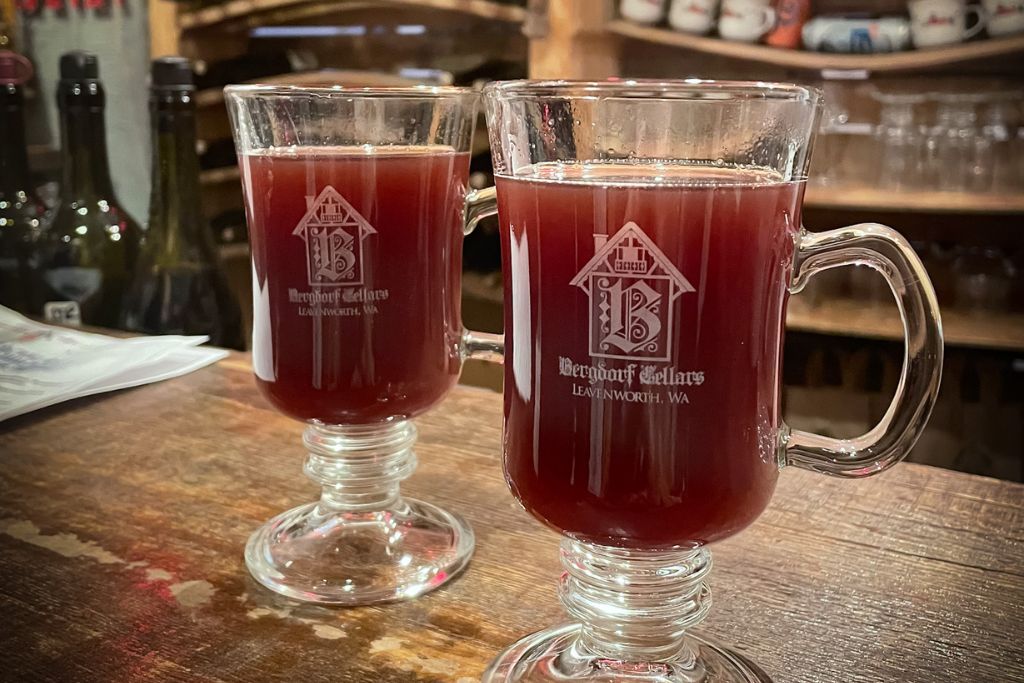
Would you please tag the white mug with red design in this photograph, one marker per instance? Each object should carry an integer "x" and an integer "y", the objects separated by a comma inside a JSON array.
[
  {"x": 943, "y": 22},
  {"x": 1004, "y": 16},
  {"x": 745, "y": 20},
  {"x": 643, "y": 11},
  {"x": 694, "y": 16}
]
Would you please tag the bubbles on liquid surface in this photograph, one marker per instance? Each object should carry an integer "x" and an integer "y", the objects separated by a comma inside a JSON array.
[{"x": 633, "y": 171}]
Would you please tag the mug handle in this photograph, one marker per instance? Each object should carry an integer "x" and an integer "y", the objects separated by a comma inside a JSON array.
[
  {"x": 480, "y": 345},
  {"x": 982, "y": 15},
  {"x": 768, "y": 22},
  {"x": 885, "y": 250}
]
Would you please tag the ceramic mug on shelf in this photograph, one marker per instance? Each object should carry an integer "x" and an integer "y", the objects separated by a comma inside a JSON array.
[
  {"x": 1004, "y": 16},
  {"x": 839, "y": 34},
  {"x": 693, "y": 16},
  {"x": 643, "y": 11},
  {"x": 943, "y": 22},
  {"x": 745, "y": 20}
]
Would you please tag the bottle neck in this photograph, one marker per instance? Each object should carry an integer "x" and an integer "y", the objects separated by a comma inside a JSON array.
[
  {"x": 14, "y": 172},
  {"x": 176, "y": 221},
  {"x": 84, "y": 153}
]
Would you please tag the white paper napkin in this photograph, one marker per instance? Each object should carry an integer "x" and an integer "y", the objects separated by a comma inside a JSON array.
[{"x": 41, "y": 365}]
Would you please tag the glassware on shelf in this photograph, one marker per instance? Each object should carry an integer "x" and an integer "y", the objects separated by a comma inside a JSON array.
[
  {"x": 983, "y": 278},
  {"x": 1017, "y": 287},
  {"x": 1000, "y": 125},
  {"x": 899, "y": 140},
  {"x": 640, "y": 291},
  {"x": 828, "y": 286},
  {"x": 868, "y": 285},
  {"x": 356, "y": 201},
  {"x": 939, "y": 261},
  {"x": 825, "y": 171},
  {"x": 845, "y": 146},
  {"x": 958, "y": 155},
  {"x": 1018, "y": 152}
]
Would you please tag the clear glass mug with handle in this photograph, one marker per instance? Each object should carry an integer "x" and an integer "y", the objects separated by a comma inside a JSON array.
[
  {"x": 355, "y": 204},
  {"x": 651, "y": 237}
]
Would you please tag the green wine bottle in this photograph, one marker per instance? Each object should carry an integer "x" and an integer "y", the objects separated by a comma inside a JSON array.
[
  {"x": 179, "y": 285},
  {"x": 91, "y": 246},
  {"x": 22, "y": 213}
]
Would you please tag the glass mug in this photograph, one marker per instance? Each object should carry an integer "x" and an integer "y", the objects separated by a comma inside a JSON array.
[
  {"x": 651, "y": 236},
  {"x": 355, "y": 204}
]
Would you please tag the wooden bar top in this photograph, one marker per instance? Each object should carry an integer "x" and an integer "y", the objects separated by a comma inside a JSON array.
[{"x": 123, "y": 518}]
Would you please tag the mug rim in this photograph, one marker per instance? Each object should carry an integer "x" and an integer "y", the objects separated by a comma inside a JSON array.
[
  {"x": 410, "y": 92},
  {"x": 683, "y": 90}
]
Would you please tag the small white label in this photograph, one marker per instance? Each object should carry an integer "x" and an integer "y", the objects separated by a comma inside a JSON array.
[
  {"x": 845, "y": 74},
  {"x": 62, "y": 313}
]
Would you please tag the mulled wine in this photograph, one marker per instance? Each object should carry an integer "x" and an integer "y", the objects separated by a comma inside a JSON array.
[
  {"x": 644, "y": 346},
  {"x": 357, "y": 263}
]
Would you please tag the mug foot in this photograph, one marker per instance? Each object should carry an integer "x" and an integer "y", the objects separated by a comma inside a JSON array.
[
  {"x": 556, "y": 655},
  {"x": 334, "y": 557}
]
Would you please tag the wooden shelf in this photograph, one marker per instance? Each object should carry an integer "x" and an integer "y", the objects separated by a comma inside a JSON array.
[
  {"x": 219, "y": 176},
  {"x": 235, "y": 9},
  {"x": 926, "y": 202},
  {"x": 819, "y": 61},
  {"x": 234, "y": 250},
  {"x": 344, "y": 77},
  {"x": 485, "y": 287},
  {"x": 852, "y": 318}
]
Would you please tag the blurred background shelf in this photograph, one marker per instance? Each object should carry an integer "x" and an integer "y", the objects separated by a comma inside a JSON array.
[
  {"x": 866, "y": 198},
  {"x": 852, "y": 318},
  {"x": 210, "y": 16},
  {"x": 819, "y": 61},
  {"x": 344, "y": 77},
  {"x": 848, "y": 318},
  {"x": 220, "y": 176}
]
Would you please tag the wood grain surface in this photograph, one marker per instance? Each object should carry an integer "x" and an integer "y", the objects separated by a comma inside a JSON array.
[{"x": 123, "y": 518}]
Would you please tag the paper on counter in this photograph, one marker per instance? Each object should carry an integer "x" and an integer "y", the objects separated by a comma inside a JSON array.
[{"x": 41, "y": 365}]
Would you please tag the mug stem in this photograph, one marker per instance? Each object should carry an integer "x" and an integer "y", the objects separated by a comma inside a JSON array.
[
  {"x": 635, "y": 605},
  {"x": 359, "y": 467},
  {"x": 635, "y": 611},
  {"x": 361, "y": 542}
]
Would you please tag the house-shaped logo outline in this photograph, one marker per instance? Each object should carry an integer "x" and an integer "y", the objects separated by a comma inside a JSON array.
[
  {"x": 350, "y": 219},
  {"x": 602, "y": 265}
]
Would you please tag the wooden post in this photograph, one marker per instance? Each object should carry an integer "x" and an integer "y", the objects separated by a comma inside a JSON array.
[
  {"x": 568, "y": 39},
  {"x": 163, "y": 28}
]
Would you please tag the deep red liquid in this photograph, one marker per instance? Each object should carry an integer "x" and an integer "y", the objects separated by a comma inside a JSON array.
[
  {"x": 384, "y": 348},
  {"x": 647, "y": 468}
]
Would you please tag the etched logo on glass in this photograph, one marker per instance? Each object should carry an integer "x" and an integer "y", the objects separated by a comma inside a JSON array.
[
  {"x": 631, "y": 285},
  {"x": 333, "y": 232}
]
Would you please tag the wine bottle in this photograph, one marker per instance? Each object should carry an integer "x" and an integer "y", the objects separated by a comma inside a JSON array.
[
  {"x": 22, "y": 213},
  {"x": 92, "y": 243},
  {"x": 179, "y": 285}
]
